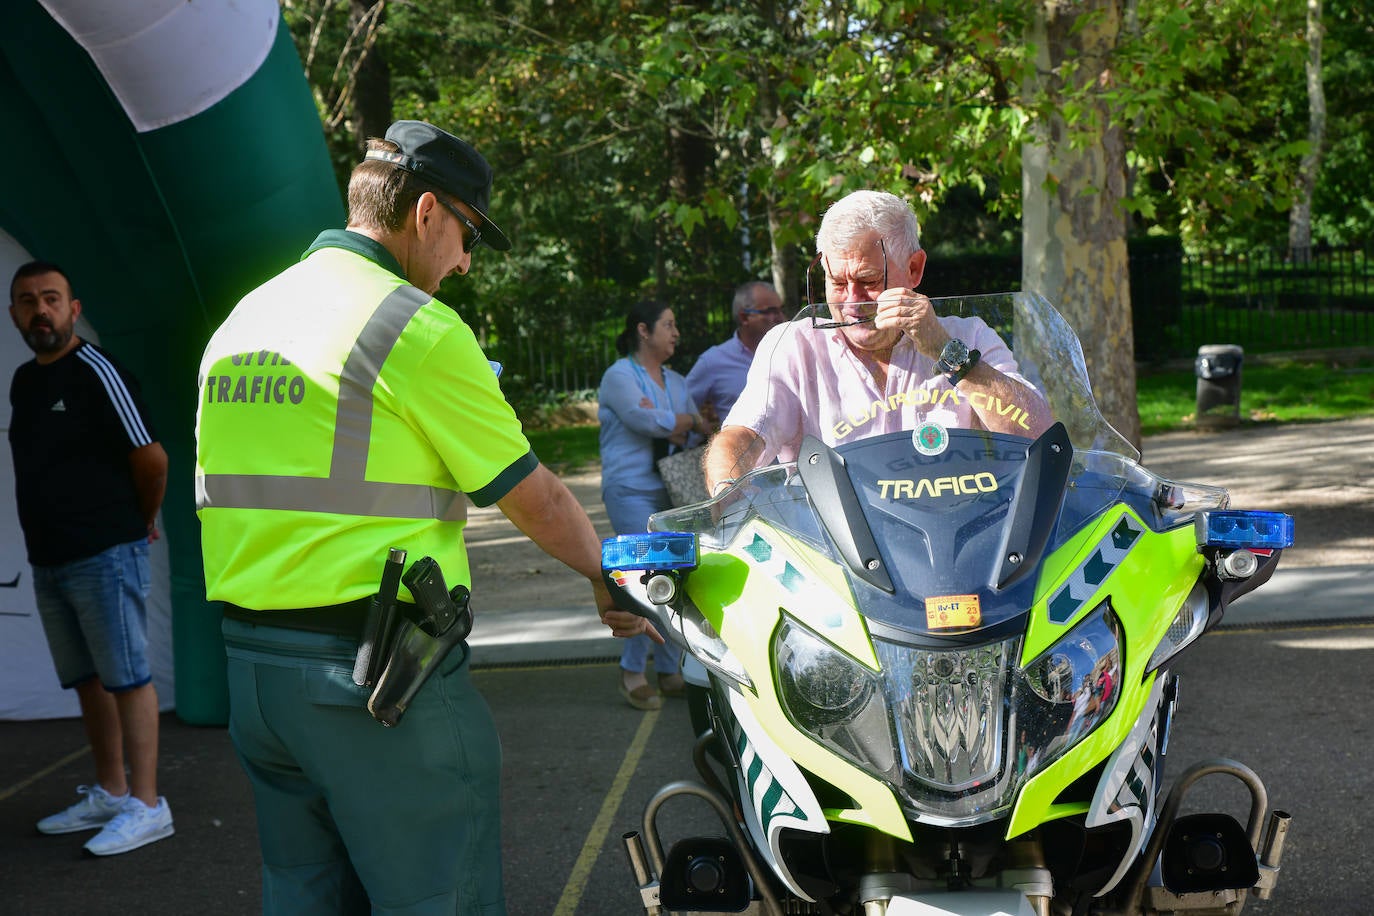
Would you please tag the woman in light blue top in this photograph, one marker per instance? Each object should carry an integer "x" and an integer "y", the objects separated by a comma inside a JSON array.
[{"x": 645, "y": 411}]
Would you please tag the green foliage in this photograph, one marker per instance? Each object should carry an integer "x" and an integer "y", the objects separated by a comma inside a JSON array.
[
  {"x": 1343, "y": 208},
  {"x": 640, "y": 149}
]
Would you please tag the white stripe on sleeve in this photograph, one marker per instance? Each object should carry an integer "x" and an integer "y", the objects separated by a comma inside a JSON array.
[{"x": 120, "y": 397}]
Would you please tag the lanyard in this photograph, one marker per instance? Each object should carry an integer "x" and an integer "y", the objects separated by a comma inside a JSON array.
[{"x": 650, "y": 388}]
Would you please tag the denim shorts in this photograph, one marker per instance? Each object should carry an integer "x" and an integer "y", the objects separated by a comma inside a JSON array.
[{"x": 95, "y": 615}]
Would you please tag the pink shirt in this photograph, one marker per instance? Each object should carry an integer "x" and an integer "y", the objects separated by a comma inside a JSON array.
[{"x": 807, "y": 380}]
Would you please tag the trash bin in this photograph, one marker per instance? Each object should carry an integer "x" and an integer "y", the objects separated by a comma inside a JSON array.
[{"x": 1218, "y": 384}]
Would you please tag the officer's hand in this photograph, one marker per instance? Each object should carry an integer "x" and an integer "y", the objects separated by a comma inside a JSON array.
[
  {"x": 623, "y": 624},
  {"x": 912, "y": 313}
]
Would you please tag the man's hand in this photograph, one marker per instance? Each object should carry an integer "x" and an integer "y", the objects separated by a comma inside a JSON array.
[
  {"x": 623, "y": 624},
  {"x": 709, "y": 415},
  {"x": 912, "y": 313}
]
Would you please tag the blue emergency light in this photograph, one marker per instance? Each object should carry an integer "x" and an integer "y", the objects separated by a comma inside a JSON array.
[
  {"x": 1239, "y": 528},
  {"x": 653, "y": 551}
]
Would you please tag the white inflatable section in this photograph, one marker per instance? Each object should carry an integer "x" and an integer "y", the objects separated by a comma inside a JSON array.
[
  {"x": 167, "y": 60},
  {"x": 29, "y": 688}
]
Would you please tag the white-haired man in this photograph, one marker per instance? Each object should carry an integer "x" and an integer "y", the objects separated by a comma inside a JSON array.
[{"x": 883, "y": 344}]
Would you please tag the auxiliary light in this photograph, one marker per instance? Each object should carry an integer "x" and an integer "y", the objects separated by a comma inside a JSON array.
[{"x": 1238, "y": 528}]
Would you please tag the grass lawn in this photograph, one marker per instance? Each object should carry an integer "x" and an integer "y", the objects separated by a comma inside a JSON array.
[
  {"x": 1272, "y": 391},
  {"x": 568, "y": 448}
]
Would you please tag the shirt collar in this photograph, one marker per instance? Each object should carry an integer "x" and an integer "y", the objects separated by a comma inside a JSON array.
[{"x": 359, "y": 244}]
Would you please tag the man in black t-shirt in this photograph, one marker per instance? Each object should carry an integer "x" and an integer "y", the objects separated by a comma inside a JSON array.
[{"x": 89, "y": 478}]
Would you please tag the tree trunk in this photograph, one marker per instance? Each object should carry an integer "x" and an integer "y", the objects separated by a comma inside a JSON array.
[
  {"x": 786, "y": 271},
  {"x": 1073, "y": 225},
  {"x": 1300, "y": 217}
]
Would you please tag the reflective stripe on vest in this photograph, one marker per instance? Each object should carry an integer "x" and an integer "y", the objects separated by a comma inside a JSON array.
[{"x": 346, "y": 491}]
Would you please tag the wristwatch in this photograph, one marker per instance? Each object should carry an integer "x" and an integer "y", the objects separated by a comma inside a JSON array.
[{"x": 956, "y": 360}]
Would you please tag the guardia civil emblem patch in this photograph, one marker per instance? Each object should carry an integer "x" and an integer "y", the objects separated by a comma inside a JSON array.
[{"x": 930, "y": 438}]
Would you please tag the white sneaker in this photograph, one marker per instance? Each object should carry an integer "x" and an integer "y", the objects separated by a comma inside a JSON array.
[
  {"x": 95, "y": 809},
  {"x": 135, "y": 825}
]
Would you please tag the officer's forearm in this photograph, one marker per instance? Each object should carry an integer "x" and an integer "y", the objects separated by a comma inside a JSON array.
[{"x": 543, "y": 508}]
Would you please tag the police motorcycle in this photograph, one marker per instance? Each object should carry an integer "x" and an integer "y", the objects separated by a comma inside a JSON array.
[{"x": 935, "y": 669}]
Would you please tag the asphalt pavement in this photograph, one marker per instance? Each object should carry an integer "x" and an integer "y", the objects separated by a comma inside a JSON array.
[{"x": 1280, "y": 687}]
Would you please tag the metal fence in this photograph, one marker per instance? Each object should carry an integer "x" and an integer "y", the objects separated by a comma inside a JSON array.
[
  {"x": 1260, "y": 301},
  {"x": 1266, "y": 302}
]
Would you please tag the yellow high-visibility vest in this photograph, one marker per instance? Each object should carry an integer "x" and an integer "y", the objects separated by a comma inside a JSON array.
[{"x": 342, "y": 412}]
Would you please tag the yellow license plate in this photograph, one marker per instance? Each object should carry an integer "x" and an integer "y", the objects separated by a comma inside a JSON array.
[{"x": 953, "y": 611}]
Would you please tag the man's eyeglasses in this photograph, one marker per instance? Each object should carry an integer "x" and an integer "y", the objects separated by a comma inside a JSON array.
[
  {"x": 817, "y": 275},
  {"x": 474, "y": 234},
  {"x": 774, "y": 312}
]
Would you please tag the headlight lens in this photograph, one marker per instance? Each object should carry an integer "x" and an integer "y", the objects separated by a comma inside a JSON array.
[
  {"x": 833, "y": 698},
  {"x": 829, "y": 685},
  {"x": 949, "y": 707},
  {"x": 1069, "y": 690}
]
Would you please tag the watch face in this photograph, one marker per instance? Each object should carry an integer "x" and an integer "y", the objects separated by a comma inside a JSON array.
[{"x": 955, "y": 354}]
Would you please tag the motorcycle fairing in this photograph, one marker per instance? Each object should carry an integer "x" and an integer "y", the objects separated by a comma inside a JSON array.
[
  {"x": 815, "y": 593},
  {"x": 1155, "y": 576},
  {"x": 778, "y": 794},
  {"x": 1073, "y": 595},
  {"x": 942, "y": 523},
  {"x": 1088, "y": 567},
  {"x": 787, "y": 573},
  {"x": 812, "y": 589},
  {"x": 1130, "y": 782}
]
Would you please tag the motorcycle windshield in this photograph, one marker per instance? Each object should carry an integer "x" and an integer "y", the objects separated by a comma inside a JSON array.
[{"x": 938, "y": 527}]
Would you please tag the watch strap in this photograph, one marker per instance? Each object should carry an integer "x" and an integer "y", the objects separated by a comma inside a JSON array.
[{"x": 956, "y": 375}]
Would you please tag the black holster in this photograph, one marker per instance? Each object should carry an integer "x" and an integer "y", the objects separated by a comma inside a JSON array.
[{"x": 420, "y": 646}]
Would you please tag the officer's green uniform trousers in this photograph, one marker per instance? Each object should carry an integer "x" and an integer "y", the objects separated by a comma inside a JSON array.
[{"x": 427, "y": 845}]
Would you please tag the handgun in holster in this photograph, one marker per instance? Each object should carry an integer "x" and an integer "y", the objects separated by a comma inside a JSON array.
[{"x": 443, "y": 620}]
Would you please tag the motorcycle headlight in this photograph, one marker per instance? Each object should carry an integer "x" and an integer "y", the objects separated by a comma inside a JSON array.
[
  {"x": 1068, "y": 690},
  {"x": 954, "y": 731},
  {"x": 833, "y": 697},
  {"x": 949, "y": 706},
  {"x": 950, "y": 709}
]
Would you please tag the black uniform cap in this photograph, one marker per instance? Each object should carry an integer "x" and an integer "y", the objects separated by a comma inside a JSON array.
[{"x": 450, "y": 164}]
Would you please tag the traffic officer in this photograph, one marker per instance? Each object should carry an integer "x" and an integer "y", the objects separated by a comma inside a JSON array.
[{"x": 343, "y": 411}]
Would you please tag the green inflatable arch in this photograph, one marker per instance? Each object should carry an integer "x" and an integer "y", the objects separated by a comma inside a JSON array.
[{"x": 169, "y": 155}]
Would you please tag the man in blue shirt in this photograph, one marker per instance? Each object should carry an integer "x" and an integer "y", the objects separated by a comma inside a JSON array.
[{"x": 717, "y": 377}]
